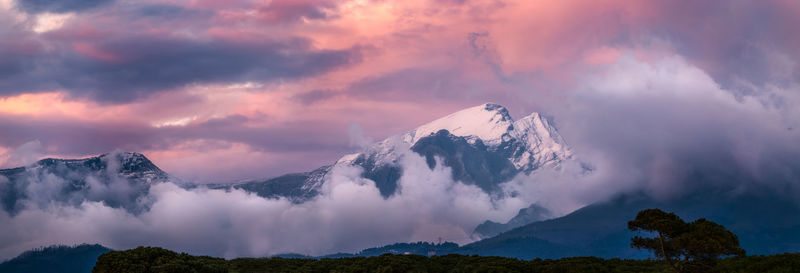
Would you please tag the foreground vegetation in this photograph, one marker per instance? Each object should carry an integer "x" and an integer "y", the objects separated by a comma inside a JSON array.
[
  {"x": 698, "y": 246},
  {"x": 685, "y": 247},
  {"x": 157, "y": 260}
]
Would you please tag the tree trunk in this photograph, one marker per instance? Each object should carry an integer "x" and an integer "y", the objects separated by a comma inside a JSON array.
[{"x": 666, "y": 257}]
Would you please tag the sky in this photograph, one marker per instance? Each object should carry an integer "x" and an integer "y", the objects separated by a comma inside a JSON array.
[
  {"x": 216, "y": 91},
  {"x": 663, "y": 97}
]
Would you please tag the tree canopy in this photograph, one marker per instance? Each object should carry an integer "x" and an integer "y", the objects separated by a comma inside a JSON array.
[
  {"x": 686, "y": 247},
  {"x": 156, "y": 260}
]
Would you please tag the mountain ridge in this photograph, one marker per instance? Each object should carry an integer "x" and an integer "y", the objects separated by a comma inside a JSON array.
[
  {"x": 84, "y": 179},
  {"x": 487, "y": 133}
]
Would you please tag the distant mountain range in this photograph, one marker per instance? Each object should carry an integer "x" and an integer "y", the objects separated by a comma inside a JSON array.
[{"x": 482, "y": 146}]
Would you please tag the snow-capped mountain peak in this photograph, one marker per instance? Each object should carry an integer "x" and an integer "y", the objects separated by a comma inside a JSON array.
[
  {"x": 489, "y": 122},
  {"x": 482, "y": 145},
  {"x": 543, "y": 145},
  {"x": 534, "y": 140}
]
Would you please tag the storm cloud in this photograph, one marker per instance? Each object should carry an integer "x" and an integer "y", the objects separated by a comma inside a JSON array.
[
  {"x": 130, "y": 68},
  {"x": 667, "y": 129}
]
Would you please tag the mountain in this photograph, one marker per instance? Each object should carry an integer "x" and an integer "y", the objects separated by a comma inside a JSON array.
[
  {"x": 531, "y": 214},
  {"x": 418, "y": 248},
  {"x": 297, "y": 187},
  {"x": 764, "y": 223},
  {"x": 528, "y": 143},
  {"x": 118, "y": 179},
  {"x": 63, "y": 259},
  {"x": 483, "y": 146}
]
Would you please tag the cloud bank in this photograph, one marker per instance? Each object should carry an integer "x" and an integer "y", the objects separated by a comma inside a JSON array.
[
  {"x": 349, "y": 215},
  {"x": 666, "y": 128}
]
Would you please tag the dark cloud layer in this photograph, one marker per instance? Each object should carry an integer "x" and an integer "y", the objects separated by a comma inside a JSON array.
[
  {"x": 168, "y": 12},
  {"x": 59, "y": 6},
  {"x": 130, "y": 68}
]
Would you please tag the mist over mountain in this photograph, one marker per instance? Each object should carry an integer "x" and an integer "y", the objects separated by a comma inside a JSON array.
[
  {"x": 482, "y": 146},
  {"x": 459, "y": 165},
  {"x": 461, "y": 178},
  {"x": 117, "y": 179}
]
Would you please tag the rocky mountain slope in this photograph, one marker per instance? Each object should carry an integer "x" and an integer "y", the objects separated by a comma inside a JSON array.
[
  {"x": 483, "y": 146},
  {"x": 118, "y": 179}
]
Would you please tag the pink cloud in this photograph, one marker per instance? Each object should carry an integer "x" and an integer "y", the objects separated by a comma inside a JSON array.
[
  {"x": 99, "y": 54},
  {"x": 419, "y": 59}
]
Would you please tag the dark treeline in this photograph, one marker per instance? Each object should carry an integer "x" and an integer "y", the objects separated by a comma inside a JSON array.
[
  {"x": 157, "y": 260},
  {"x": 62, "y": 259}
]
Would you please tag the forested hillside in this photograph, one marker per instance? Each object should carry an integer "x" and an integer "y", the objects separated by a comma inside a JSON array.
[{"x": 157, "y": 260}]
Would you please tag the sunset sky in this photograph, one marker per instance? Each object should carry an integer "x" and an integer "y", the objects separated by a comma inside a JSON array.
[{"x": 223, "y": 90}]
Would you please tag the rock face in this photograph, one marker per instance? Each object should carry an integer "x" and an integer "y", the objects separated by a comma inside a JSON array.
[
  {"x": 483, "y": 145},
  {"x": 117, "y": 179}
]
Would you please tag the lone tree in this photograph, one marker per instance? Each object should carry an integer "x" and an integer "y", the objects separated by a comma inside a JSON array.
[{"x": 686, "y": 247}]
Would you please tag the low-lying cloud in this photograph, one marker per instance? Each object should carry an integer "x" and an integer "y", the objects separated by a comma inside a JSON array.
[{"x": 349, "y": 215}]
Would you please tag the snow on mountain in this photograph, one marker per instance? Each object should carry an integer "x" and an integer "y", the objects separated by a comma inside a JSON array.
[
  {"x": 128, "y": 165},
  {"x": 538, "y": 142},
  {"x": 488, "y": 122},
  {"x": 477, "y": 137},
  {"x": 535, "y": 140},
  {"x": 543, "y": 145},
  {"x": 118, "y": 179}
]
